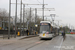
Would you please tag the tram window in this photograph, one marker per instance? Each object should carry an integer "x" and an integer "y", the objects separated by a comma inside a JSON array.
[{"x": 44, "y": 28}]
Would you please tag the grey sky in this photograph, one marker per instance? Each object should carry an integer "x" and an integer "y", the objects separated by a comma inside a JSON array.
[{"x": 65, "y": 9}]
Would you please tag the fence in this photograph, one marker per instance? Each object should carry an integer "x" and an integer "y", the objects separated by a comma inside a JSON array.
[{"x": 4, "y": 33}]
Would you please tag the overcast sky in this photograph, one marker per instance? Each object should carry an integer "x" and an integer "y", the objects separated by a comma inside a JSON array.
[{"x": 65, "y": 9}]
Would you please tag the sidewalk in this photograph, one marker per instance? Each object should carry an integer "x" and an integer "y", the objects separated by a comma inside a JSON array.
[
  {"x": 18, "y": 37},
  {"x": 23, "y": 37},
  {"x": 14, "y": 40}
]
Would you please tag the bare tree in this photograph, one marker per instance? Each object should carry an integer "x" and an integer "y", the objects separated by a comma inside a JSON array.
[{"x": 3, "y": 18}]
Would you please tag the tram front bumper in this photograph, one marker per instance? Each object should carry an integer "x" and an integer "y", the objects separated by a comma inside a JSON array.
[{"x": 47, "y": 36}]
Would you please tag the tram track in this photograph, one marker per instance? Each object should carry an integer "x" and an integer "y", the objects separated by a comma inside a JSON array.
[
  {"x": 16, "y": 42},
  {"x": 27, "y": 39},
  {"x": 35, "y": 45},
  {"x": 30, "y": 45},
  {"x": 51, "y": 44},
  {"x": 26, "y": 42}
]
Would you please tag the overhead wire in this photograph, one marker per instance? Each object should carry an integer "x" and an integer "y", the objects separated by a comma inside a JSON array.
[
  {"x": 28, "y": 5},
  {"x": 38, "y": 1}
]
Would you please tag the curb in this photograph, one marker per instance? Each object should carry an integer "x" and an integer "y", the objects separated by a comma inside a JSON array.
[{"x": 28, "y": 37}]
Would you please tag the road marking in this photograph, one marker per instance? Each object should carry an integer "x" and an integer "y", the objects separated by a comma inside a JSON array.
[{"x": 61, "y": 44}]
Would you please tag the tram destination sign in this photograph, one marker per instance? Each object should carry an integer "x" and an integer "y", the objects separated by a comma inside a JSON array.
[{"x": 44, "y": 24}]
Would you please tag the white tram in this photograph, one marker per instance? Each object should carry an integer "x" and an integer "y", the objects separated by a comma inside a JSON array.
[{"x": 45, "y": 30}]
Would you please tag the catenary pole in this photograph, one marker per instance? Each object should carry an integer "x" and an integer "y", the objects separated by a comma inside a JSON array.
[
  {"x": 23, "y": 17},
  {"x": 35, "y": 17},
  {"x": 3, "y": 20},
  {"x": 43, "y": 10},
  {"x": 15, "y": 19},
  {"x": 9, "y": 19},
  {"x": 20, "y": 17}
]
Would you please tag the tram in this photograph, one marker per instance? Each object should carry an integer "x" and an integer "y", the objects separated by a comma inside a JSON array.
[{"x": 45, "y": 30}]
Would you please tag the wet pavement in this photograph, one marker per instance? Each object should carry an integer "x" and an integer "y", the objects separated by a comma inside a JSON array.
[
  {"x": 35, "y": 43},
  {"x": 69, "y": 42}
]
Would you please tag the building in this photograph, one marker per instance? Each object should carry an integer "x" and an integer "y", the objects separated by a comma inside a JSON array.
[{"x": 4, "y": 21}]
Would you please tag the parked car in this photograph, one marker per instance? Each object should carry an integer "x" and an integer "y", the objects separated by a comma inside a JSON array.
[{"x": 72, "y": 32}]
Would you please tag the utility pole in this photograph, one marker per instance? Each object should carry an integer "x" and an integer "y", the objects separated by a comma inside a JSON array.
[
  {"x": 3, "y": 20},
  {"x": 69, "y": 26},
  {"x": 43, "y": 10},
  {"x": 58, "y": 28},
  {"x": 30, "y": 17},
  {"x": 9, "y": 19},
  {"x": 30, "y": 21},
  {"x": 35, "y": 17},
  {"x": 23, "y": 17},
  {"x": 15, "y": 19},
  {"x": 53, "y": 15},
  {"x": 58, "y": 25},
  {"x": 30, "y": 14},
  {"x": 20, "y": 17},
  {"x": 27, "y": 19}
]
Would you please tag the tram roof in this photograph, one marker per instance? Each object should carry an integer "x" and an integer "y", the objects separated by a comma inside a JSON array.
[{"x": 45, "y": 22}]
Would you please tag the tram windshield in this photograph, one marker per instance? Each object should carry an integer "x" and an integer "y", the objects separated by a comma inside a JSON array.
[{"x": 44, "y": 27}]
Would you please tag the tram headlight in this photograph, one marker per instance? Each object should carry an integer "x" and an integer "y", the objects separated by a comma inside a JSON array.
[
  {"x": 47, "y": 32},
  {"x": 40, "y": 34}
]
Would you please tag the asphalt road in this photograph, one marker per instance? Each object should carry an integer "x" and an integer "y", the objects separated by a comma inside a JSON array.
[
  {"x": 33, "y": 43},
  {"x": 69, "y": 43}
]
